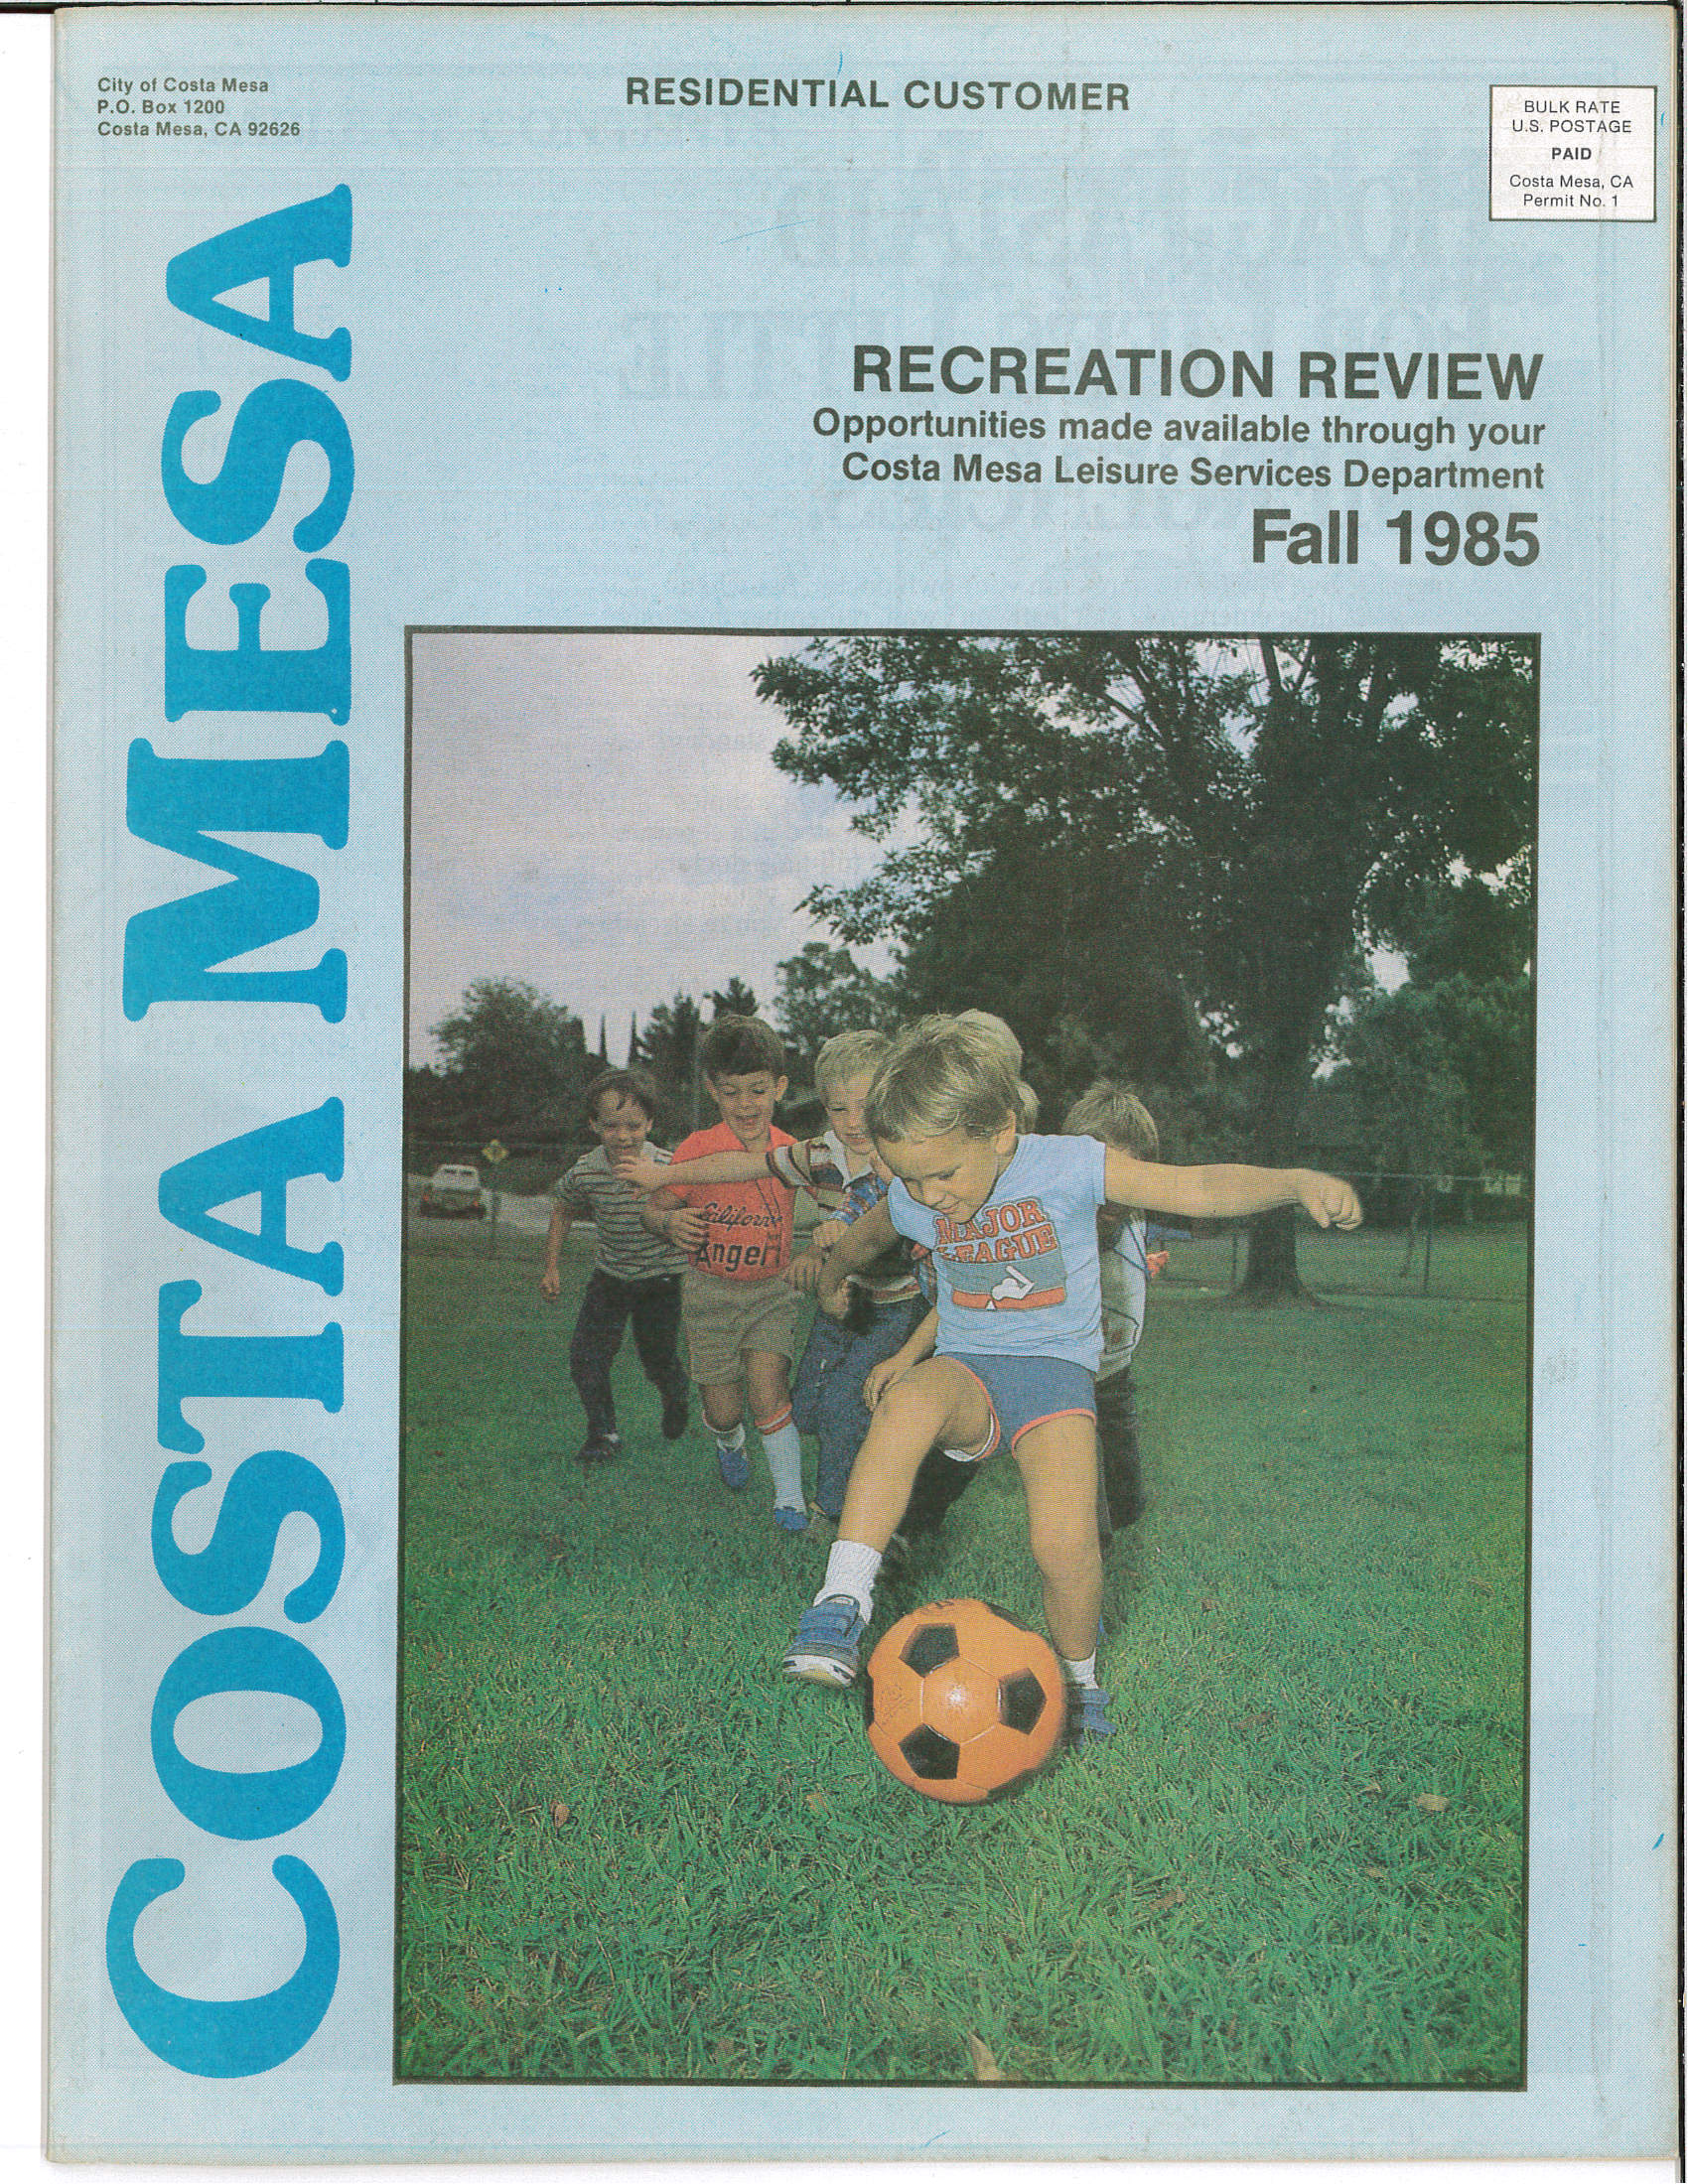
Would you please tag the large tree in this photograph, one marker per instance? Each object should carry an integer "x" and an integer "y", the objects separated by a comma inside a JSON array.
[
  {"x": 668, "y": 1048},
  {"x": 515, "y": 1061},
  {"x": 1441, "y": 1065},
  {"x": 824, "y": 991},
  {"x": 1136, "y": 836}
]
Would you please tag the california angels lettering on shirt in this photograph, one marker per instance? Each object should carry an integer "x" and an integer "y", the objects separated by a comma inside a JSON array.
[
  {"x": 748, "y": 1226},
  {"x": 1023, "y": 1276}
]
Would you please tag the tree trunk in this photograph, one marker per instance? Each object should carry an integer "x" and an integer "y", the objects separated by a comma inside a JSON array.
[
  {"x": 1413, "y": 1221},
  {"x": 1269, "y": 1275}
]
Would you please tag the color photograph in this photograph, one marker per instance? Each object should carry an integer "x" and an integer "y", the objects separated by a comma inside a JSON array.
[{"x": 798, "y": 1686}]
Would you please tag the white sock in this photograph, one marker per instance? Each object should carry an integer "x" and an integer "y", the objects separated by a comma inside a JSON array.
[
  {"x": 851, "y": 1569},
  {"x": 784, "y": 1454},
  {"x": 733, "y": 1439},
  {"x": 1082, "y": 1672}
]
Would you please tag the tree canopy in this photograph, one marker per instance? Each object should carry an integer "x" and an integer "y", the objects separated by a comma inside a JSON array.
[
  {"x": 735, "y": 998},
  {"x": 667, "y": 1047},
  {"x": 1442, "y": 1068},
  {"x": 1143, "y": 847},
  {"x": 514, "y": 1063},
  {"x": 824, "y": 991}
]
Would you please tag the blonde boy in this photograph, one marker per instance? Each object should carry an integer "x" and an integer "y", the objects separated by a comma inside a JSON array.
[
  {"x": 1116, "y": 1116},
  {"x": 1011, "y": 1223},
  {"x": 827, "y": 1398}
]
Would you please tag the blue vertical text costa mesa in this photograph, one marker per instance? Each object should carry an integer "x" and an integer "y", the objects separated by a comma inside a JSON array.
[{"x": 172, "y": 953}]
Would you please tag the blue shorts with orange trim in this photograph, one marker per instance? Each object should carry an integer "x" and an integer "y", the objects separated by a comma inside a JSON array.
[{"x": 1024, "y": 1392}]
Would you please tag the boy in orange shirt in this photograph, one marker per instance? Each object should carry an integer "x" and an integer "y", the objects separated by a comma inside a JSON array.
[
  {"x": 826, "y": 1400},
  {"x": 739, "y": 1311}
]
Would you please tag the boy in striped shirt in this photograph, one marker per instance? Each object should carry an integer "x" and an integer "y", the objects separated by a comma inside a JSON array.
[{"x": 633, "y": 1273}]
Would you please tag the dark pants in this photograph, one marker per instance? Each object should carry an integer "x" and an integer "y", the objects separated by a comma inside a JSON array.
[
  {"x": 654, "y": 1308},
  {"x": 941, "y": 1481},
  {"x": 1116, "y": 1449},
  {"x": 826, "y": 1395}
]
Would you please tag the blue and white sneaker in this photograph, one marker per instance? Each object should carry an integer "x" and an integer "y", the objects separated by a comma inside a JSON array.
[
  {"x": 735, "y": 1464},
  {"x": 1087, "y": 1714},
  {"x": 829, "y": 1643},
  {"x": 791, "y": 1520}
]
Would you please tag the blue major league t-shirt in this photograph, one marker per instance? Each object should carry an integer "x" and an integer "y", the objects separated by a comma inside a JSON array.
[{"x": 1023, "y": 1276}]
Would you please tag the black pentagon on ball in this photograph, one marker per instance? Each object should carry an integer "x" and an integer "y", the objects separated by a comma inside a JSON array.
[
  {"x": 932, "y": 1758},
  {"x": 930, "y": 1647},
  {"x": 1021, "y": 1698}
]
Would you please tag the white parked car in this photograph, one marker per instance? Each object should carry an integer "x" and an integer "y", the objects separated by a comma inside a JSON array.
[{"x": 453, "y": 1193}]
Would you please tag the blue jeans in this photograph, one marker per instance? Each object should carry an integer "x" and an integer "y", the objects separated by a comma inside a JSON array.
[{"x": 826, "y": 1395}]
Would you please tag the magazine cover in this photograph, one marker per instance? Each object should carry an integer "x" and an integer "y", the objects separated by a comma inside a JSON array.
[{"x": 864, "y": 1083}]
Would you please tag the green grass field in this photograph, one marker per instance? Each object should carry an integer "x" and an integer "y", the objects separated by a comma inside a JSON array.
[{"x": 630, "y": 1850}]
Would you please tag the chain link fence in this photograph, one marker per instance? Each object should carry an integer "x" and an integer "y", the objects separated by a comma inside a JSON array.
[
  {"x": 1455, "y": 1237},
  {"x": 1458, "y": 1237}
]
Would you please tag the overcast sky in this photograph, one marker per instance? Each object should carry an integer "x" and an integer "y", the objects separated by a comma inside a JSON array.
[{"x": 599, "y": 816}]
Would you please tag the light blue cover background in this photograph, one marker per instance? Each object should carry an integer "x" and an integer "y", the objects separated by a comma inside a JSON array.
[{"x": 587, "y": 342}]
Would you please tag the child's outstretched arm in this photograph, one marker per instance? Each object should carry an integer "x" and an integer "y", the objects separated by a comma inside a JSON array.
[
  {"x": 859, "y": 1246},
  {"x": 717, "y": 1167},
  {"x": 1209, "y": 1193},
  {"x": 709, "y": 1167}
]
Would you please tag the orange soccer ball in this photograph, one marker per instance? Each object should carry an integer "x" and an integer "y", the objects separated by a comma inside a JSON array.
[{"x": 962, "y": 1700}]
